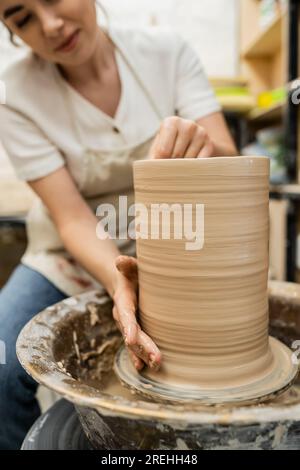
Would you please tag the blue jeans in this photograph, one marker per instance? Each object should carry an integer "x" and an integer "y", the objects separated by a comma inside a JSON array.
[{"x": 26, "y": 293}]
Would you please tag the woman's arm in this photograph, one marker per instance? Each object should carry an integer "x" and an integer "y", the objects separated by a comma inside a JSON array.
[
  {"x": 76, "y": 225},
  {"x": 181, "y": 138},
  {"x": 218, "y": 133}
]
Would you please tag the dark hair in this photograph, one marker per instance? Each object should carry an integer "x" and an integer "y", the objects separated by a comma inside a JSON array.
[{"x": 11, "y": 36}]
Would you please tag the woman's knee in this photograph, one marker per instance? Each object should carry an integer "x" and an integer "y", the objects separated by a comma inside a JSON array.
[
  {"x": 28, "y": 290},
  {"x": 25, "y": 295}
]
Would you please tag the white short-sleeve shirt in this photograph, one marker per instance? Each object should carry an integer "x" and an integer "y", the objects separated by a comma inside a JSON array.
[{"x": 35, "y": 124}]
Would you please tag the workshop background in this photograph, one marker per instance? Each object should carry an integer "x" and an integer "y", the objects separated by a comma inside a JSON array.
[{"x": 250, "y": 51}]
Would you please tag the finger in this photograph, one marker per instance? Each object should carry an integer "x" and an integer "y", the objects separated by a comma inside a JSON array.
[
  {"x": 153, "y": 149},
  {"x": 166, "y": 139},
  {"x": 127, "y": 266},
  {"x": 196, "y": 144},
  {"x": 129, "y": 326},
  {"x": 118, "y": 324},
  {"x": 115, "y": 314},
  {"x": 186, "y": 134},
  {"x": 155, "y": 355},
  {"x": 206, "y": 151},
  {"x": 147, "y": 350},
  {"x": 134, "y": 342},
  {"x": 136, "y": 361}
]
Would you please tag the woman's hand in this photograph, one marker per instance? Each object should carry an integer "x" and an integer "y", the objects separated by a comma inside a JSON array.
[
  {"x": 180, "y": 138},
  {"x": 141, "y": 348}
]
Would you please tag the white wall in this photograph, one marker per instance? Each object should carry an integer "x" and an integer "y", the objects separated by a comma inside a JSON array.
[{"x": 210, "y": 25}]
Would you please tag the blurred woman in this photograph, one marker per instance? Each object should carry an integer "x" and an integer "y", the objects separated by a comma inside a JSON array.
[{"x": 82, "y": 106}]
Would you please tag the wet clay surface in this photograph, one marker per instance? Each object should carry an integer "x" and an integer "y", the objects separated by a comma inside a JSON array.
[
  {"x": 207, "y": 309},
  {"x": 85, "y": 346}
]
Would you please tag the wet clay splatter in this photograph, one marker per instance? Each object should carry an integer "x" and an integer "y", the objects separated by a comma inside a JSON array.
[{"x": 85, "y": 345}]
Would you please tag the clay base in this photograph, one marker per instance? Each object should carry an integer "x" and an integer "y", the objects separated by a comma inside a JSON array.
[{"x": 276, "y": 381}]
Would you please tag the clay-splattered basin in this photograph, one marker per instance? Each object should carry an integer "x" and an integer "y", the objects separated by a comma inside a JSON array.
[{"x": 70, "y": 348}]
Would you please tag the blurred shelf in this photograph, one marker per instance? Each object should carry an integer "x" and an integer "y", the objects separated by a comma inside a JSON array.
[
  {"x": 287, "y": 190},
  {"x": 268, "y": 41},
  {"x": 274, "y": 113},
  {"x": 222, "y": 81},
  {"x": 14, "y": 221},
  {"x": 232, "y": 94},
  {"x": 237, "y": 104}
]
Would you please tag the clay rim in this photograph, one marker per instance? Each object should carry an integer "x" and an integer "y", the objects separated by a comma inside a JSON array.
[
  {"x": 262, "y": 163},
  {"x": 283, "y": 372},
  {"x": 38, "y": 333}
]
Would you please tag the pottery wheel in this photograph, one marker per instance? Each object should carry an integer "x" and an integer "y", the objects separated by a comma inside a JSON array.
[
  {"x": 57, "y": 429},
  {"x": 276, "y": 381}
]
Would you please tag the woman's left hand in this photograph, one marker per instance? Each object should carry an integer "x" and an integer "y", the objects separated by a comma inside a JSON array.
[
  {"x": 142, "y": 350},
  {"x": 180, "y": 138}
]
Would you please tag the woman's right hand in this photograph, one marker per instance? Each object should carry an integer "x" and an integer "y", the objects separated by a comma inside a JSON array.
[{"x": 141, "y": 348}]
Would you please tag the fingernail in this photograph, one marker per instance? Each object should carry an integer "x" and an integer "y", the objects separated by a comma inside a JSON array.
[{"x": 126, "y": 340}]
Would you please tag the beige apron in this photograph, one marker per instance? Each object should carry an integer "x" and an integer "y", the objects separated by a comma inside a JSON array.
[{"x": 104, "y": 177}]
